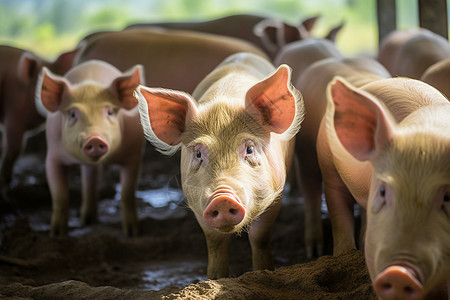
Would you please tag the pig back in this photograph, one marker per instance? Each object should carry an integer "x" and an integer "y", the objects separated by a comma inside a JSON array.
[
  {"x": 313, "y": 85},
  {"x": 438, "y": 76},
  {"x": 171, "y": 59},
  {"x": 403, "y": 96}
]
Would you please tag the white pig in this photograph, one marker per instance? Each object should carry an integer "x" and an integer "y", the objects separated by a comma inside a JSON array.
[
  {"x": 92, "y": 120},
  {"x": 235, "y": 133},
  {"x": 388, "y": 142}
]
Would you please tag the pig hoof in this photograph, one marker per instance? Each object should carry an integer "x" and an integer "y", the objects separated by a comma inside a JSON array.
[
  {"x": 88, "y": 220},
  {"x": 58, "y": 232},
  {"x": 131, "y": 231}
]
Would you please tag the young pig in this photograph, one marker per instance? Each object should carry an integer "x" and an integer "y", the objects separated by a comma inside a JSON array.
[
  {"x": 235, "y": 135},
  {"x": 19, "y": 70},
  {"x": 312, "y": 84},
  {"x": 410, "y": 52},
  {"x": 92, "y": 120},
  {"x": 388, "y": 144}
]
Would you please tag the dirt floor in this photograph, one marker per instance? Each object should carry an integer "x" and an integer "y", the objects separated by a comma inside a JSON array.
[{"x": 167, "y": 261}]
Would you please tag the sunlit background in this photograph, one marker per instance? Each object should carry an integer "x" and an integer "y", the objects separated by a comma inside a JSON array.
[{"x": 48, "y": 27}]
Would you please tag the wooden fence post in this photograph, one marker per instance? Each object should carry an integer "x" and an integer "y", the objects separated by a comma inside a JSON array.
[
  {"x": 433, "y": 16},
  {"x": 387, "y": 18}
]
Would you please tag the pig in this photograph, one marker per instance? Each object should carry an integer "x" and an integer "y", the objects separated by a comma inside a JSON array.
[
  {"x": 92, "y": 119},
  {"x": 312, "y": 84},
  {"x": 387, "y": 143},
  {"x": 410, "y": 52},
  {"x": 268, "y": 34},
  {"x": 236, "y": 136},
  {"x": 18, "y": 115},
  {"x": 165, "y": 54},
  {"x": 438, "y": 75},
  {"x": 299, "y": 56}
]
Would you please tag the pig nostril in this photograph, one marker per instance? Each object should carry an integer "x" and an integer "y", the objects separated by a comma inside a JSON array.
[
  {"x": 233, "y": 211},
  {"x": 215, "y": 213},
  {"x": 409, "y": 290}
]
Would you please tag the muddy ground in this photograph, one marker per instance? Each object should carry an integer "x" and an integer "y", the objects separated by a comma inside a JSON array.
[{"x": 167, "y": 261}]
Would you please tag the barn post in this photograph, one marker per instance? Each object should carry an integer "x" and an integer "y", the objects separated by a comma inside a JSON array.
[
  {"x": 387, "y": 18},
  {"x": 433, "y": 16}
]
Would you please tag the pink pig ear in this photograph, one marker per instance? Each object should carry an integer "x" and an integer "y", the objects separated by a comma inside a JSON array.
[
  {"x": 272, "y": 102},
  {"x": 28, "y": 67},
  {"x": 164, "y": 116},
  {"x": 49, "y": 90},
  {"x": 361, "y": 123},
  {"x": 126, "y": 84}
]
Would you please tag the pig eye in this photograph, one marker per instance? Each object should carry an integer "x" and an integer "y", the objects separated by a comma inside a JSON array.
[
  {"x": 446, "y": 203},
  {"x": 248, "y": 152},
  {"x": 73, "y": 115},
  {"x": 383, "y": 191},
  {"x": 200, "y": 154},
  {"x": 110, "y": 111},
  {"x": 250, "y": 149},
  {"x": 379, "y": 201}
]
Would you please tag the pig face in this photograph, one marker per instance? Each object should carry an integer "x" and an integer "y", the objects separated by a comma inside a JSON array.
[
  {"x": 231, "y": 158},
  {"x": 232, "y": 161},
  {"x": 408, "y": 212},
  {"x": 90, "y": 112}
]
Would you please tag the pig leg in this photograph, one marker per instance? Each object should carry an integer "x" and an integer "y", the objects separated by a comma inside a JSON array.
[
  {"x": 12, "y": 142},
  {"x": 340, "y": 209},
  {"x": 57, "y": 177},
  {"x": 89, "y": 177},
  {"x": 217, "y": 244},
  {"x": 339, "y": 199},
  {"x": 260, "y": 237},
  {"x": 129, "y": 175},
  {"x": 310, "y": 182}
]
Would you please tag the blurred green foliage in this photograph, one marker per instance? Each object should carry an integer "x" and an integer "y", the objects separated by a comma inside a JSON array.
[{"x": 48, "y": 27}]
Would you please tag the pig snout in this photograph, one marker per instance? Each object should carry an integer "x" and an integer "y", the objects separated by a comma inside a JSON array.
[
  {"x": 95, "y": 146},
  {"x": 224, "y": 210},
  {"x": 398, "y": 282}
]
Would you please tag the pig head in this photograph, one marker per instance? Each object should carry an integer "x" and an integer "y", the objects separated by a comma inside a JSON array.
[
  {"x": 401, "y": 127},
  {"x": 92, "y": 119},
  {"x": 235, "y": 137},
  {"x": 19, "y": 71}
]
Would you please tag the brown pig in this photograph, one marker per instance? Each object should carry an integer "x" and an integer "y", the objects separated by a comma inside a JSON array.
[
  {"x": 235, "y": 133},
  {"x": 268, "y": 34},
  {"x": 387, "y": 143},
  {"x": 165, "y": 54},
  {"x": 438, "y": 76},
  {"x": 299, "y": 56},
  {"x": 19, "y": 71},
  {"x": 410, "y": 52},
  {"x": 312, "y": 84},
  {"x": 92, "y": 120}
]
